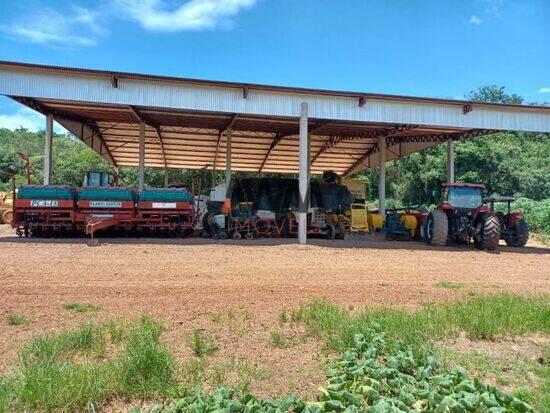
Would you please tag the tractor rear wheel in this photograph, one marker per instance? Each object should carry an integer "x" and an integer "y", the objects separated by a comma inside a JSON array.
[
  {"x": 436, "y": 228},
  {"x": 519, "y": 234},
  {"x": 488, "y": 233},
  {"x": 7, "y": 217}
]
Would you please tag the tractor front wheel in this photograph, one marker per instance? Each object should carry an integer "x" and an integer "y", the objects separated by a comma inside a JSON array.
[
  {"x": 488, "y": 233},
  {"x": 519, "y": 234},
  {"x": 436, "y": 228}
]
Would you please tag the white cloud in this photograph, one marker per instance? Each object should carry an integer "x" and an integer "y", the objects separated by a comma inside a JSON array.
[
  {"x": 494, "y": 7},
  {"x": 544, "y": 90},
  {"x": 474, "y": 20},
  {"x": 157, "y": 15},
  {"x": 48, "y": 27},
  {"x": 27, "y": 118}
]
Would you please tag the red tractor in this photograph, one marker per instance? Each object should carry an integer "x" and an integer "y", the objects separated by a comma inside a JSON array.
[
  {"x": 513, "y": 227},
  {"x": 462, "y": 216}
]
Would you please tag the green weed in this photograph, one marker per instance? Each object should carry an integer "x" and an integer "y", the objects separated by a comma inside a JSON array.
[
  {"x": 215, "y": 317},
  {"x": 283, "y": 317},
  {"x": 201, "y": 344},
  {"x": 17, "y": 319},
  {"x": 81, "y": 308},
  {"x": 448, "y": 284}
]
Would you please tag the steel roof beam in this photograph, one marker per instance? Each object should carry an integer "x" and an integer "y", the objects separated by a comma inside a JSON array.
[
  {"x": 279, "y": 137},
  {"x": 383, "y": 134},
  {"x": 70, "y": 122},
  {"x": 335, "y": 140}
]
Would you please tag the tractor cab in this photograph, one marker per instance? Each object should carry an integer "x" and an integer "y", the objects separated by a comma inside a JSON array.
[
  {"x": 93, "y": 178},
  {"x": 462, "y": 196}
]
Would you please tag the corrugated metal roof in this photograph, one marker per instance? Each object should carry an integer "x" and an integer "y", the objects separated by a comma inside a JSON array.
[{"x": 186, "y": 119}]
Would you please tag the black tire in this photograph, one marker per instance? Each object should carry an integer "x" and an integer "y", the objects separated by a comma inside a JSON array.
[
  {"x": 488, "y": 228},
  {"x": 436, "y": 228},
  {"x": 284, "y": 228},
  {"x": 520, "y": 234},
  {"x": 423, "y": 229},
  {"x": 341, "y": 230}
]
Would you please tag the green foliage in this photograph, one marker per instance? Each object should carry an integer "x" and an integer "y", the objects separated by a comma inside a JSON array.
[
  {"x": 494, "y": 94},
  {"x": 370, "y": 376}
]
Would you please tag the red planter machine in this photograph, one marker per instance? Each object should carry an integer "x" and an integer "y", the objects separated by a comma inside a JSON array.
[{"x": 61, "y": 210}]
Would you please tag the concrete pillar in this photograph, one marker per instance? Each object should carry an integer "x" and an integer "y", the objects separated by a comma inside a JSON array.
[
  {"x": 48, "y": 150},
  {"x": 228, "y": 163},
  {"x": 382, "y": 176},
  {"x": 304, "y": 175},
  {"x": 141, "y": 167},
  {"x": 166, "y": 178},
  {"x": 450, "y": 161}
]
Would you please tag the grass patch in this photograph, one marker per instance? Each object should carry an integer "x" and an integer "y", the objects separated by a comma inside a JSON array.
[
  {"x": 481, "y": 318},
  {"x": 201, "y": 344},
  {"x": 81, "y": 308},
  {"x": 70, "y": 371},
  {"x": 17, "y": 319},
  {"x": 145, "y": 367},
  {"x": 449, "y": 285}
]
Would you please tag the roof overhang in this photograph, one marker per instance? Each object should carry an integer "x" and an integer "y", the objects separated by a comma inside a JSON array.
[{"x": 187, "y": 119}]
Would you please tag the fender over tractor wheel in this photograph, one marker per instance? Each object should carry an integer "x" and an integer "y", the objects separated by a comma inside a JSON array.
[
  {"x": 435, "y": 228},
  {"x": 519, "y": 235},
  {"x": 488, "y": 233}
]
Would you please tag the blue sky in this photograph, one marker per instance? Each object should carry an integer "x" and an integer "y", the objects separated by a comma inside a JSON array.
[{"x": 438, "y": 48}]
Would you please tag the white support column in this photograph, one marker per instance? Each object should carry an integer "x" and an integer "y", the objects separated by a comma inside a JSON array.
[
  {"x": 228, "y": 163},
  {"x": 304, "y": 175},
  {"x": 382, "y": 177},
  {"x": 450, "y": 161},
  {"x": 166, "y": 177},
  {"x": 48, "y": 150},
  {"x": 141, "y": 167}
]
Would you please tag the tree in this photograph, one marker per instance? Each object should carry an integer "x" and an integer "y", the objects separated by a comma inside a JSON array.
[{"x": 494, "y": 94}]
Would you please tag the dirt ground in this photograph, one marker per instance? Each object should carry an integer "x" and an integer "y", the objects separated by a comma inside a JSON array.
[{"x": 189, "y": 284}]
